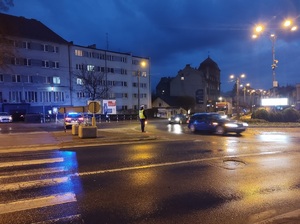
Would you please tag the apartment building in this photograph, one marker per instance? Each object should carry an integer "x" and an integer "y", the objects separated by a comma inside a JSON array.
[
  {"x": 123, "y": 77},
  {"x": 39, "y": 71}
]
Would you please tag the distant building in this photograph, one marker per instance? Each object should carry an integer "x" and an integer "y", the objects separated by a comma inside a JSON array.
[
  {"x": 163, "y": 87},
  {"x": 38, "y": 72},
  {"x": 202, "y": 84}
]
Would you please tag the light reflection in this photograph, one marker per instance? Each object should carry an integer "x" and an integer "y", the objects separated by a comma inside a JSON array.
[
  {"x": 143, "y": 152},
  {"x": 175, "y": 128},
  {"x": 274, "y": 137},
  {"x": 231, "y": 145},
  {"x": 72, "y": 184},
  {"x": 144, "y": 177},
  {"x": 142, "y": 156}
]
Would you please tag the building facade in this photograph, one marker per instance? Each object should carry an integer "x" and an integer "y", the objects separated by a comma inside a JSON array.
[
  {"x": 202, "y": 84},
  {"x": 39, "y": 69}
]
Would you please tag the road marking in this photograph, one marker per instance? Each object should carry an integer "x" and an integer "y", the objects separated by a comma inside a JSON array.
[
  {"x": 169, "y": 164},
  {"x": 283, "y": 218},
  {"x": 35, "y": 183},
  {"x": 37, "y": 203},
  {"x": 67, "y": 219},
  {"x": 31, "y": 162},
  {"x": 35, "y": 172}
]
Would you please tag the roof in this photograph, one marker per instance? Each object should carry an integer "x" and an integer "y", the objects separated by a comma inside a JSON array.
[
  {"x": 208, "y": 62},
  {"x": 27, "y": 28}
]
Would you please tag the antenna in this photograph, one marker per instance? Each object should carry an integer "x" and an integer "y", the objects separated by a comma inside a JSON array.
[{"x": 106, "y": 41}]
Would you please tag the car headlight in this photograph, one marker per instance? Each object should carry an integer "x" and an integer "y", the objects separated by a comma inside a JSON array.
[
  {"x": 231, "y": 125},
  {"x": 169, "y": 119},
  {"x": 177, "y": 119},
  {"x": 245, "y": 124}
]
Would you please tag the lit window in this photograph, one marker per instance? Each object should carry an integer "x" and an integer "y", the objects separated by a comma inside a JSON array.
[
  {"x": 78, "y": 53},
  {"x": 79, "y": 81},
  {"x": 56, "y": 80},
  {"x": 90, "y": 68}
]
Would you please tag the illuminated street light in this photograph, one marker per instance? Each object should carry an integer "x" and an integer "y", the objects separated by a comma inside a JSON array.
[
  {"x": 258, "y": 30},
  {"x": 238, "y": 83},
  {"x": 139, "y": 74}
]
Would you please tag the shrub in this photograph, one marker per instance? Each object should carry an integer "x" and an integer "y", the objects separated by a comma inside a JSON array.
[
  {"x": 290, "y": 115},
  {"x": 260, "y": 114}
]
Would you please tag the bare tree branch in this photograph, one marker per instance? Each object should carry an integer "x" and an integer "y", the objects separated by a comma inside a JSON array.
[{"x": 94, "y": 84}]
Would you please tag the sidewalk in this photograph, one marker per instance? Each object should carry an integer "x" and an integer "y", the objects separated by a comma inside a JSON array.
[{"x": 46, "y": 140}]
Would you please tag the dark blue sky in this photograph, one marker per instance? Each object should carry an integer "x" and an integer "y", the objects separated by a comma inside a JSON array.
[{"x": 174, "y": 33}]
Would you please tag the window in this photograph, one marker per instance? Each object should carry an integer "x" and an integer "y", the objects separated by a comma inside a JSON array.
[
  {"x": 16, "y": 61},
  {"x": 79, "y": 53},
  {"x": 79, "y": 81},
  {"x": 56, "y": 80},
  {"x": 48, "y": 80},
  {"x": 1, "y": 78},
  {"x": 31, "y": 96},
  {"x": 45, "y": 47},
  {"x": 26, "y": 45},
  {"x": 16, "y": 78},
  {"x": 29, "y": 79},
  {"x": 123, "y": 71},
  {"x": 135, "y": 62},
  {"x": 45, "y": 64},
  {"x": 55, "y": 49},
  {"x": 79, "y": 66},
  {"x": 27, "y": 61},
  {"x": 134, "y": 84},
  {"x": 55, "y": 64},
  {"x": 15, "y": 96},
  {"x": 90, "y": 67}
]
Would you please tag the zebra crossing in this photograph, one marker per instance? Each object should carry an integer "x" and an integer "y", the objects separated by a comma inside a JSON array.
[{"x": 39, "y": 187}]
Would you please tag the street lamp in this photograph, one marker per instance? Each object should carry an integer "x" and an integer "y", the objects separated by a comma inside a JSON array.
[
  {"x": 139, "y": 74},
  {"x": 258, "y": 30},
  {"x": 238, "y": 83}
]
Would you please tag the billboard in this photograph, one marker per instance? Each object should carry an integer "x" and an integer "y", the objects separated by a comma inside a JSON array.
[
  {"x": 274, "y": 102},
  {"x": 109, "y": 106}
]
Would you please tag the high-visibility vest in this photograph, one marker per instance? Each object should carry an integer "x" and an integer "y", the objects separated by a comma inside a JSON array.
[{"x": 141, "y": 114}]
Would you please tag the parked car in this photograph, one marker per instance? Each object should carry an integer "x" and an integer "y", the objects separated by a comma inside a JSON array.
[
  {"x": 73, "y": 118},
  {"x": 5, "y": 117},
  {"x": 178, "y": 119},
  {"x": 214, "y": 123}
]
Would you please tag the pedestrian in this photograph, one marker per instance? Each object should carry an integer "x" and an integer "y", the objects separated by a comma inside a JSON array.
[{"x": 143, "y": 118}]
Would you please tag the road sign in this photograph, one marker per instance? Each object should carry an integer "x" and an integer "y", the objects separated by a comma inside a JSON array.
[{"x": 94, "y": 107}]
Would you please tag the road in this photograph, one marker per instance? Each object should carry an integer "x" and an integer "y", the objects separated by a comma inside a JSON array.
[{"x": 181, "y": 178}]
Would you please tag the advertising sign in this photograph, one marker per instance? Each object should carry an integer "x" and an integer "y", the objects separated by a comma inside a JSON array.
[
  {"x": 109, "y": 107},
  {"x": 274, "y": 102}
]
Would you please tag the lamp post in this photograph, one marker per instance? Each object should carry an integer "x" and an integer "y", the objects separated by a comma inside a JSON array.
[
  {"x": 238, "y": 83},
  {"x": 259, "y": 29},
  {"x": 139, "y": 74}
]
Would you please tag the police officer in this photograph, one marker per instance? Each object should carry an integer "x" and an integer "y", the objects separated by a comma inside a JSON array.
[{"x": 143, "y": 118}]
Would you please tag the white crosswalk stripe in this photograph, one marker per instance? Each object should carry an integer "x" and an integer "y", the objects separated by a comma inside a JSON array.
[{"x": 30, "y": 184}]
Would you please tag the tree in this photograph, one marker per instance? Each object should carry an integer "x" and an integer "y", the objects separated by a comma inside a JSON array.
[
  {"x": 6, "y": 51},
  {"x": 6, "y": 4},
  {"x": 94, "y": 84}
]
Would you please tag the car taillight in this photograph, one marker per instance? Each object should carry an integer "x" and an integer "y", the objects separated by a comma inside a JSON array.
[
  {"x": 80, "y": 119},
  {"x": 67, "y": 119}
]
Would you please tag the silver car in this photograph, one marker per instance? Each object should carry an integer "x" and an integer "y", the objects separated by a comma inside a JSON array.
[{"x": 5, "y": 117}]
